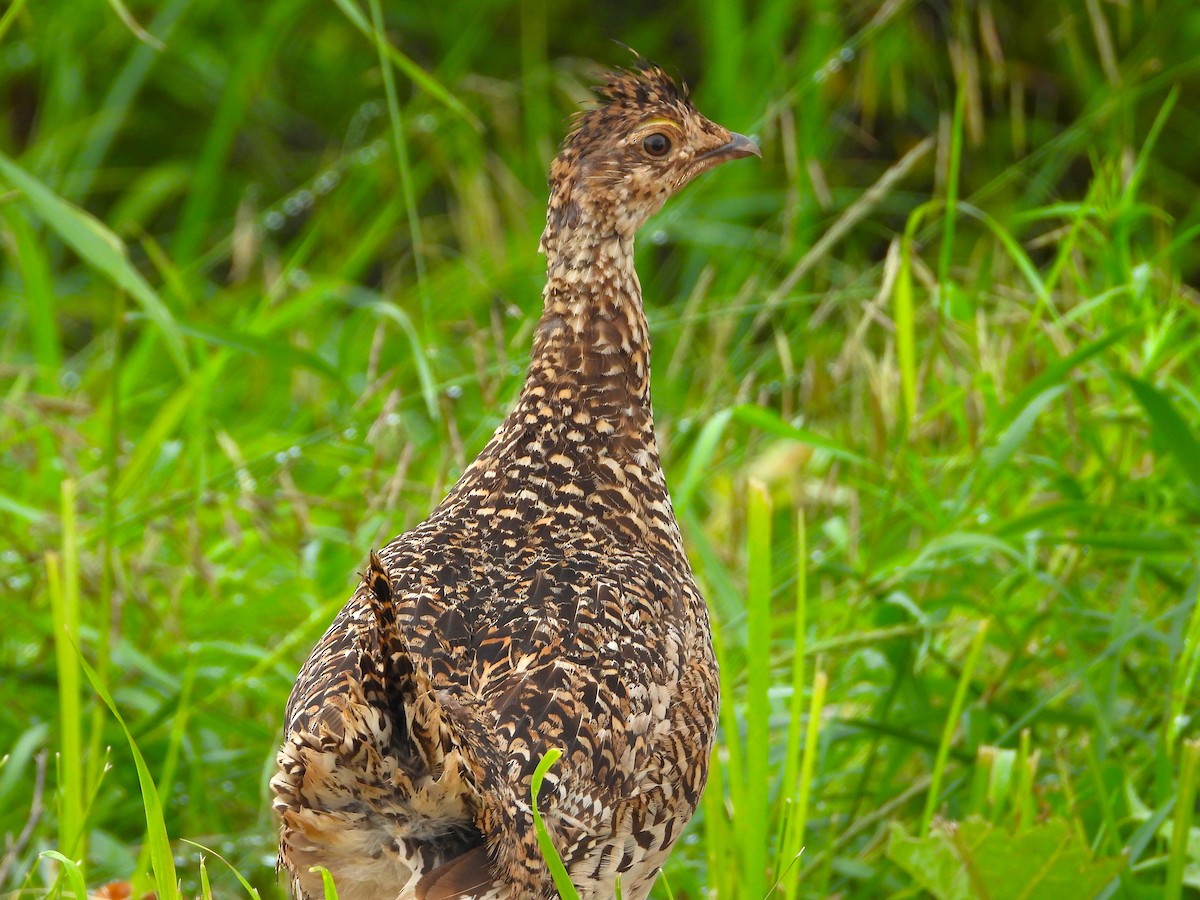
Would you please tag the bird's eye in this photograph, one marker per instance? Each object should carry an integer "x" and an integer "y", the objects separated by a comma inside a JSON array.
[{"x": 657, "y": 144}]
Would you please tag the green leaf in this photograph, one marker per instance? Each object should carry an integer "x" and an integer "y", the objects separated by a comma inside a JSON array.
[
  {"x": 930, "y": 861},
  {"x": 150, "y": 442},
  {"x": 768, "y": 421},
  {"x": 272, "y": 349},
  {"x": 1056, "y": 374},
  {"x": 10, "y": 16},
  {"x": 38, "y": 291},
  {"x": 419, "y": 357},
  {"x": 1017, "y": 433},
  {"x": 975, "y": 859},
  {"x": 1018, "y": 255},
  {"x": 100, "y": 248},
  {"x": 16, "y": 508},
  {"x": 1168, "y": 426},
  {"x": 962, "y": 544},
  {"x": 74, "y": 873},
  {"x": 698, "y": 467}
]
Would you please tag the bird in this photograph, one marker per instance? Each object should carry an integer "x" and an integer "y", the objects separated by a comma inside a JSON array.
[{"x": 546, "y": 603}]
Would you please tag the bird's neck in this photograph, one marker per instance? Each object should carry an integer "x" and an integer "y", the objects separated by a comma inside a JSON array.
[
  {"x": 592, "y": 348},
  {"x": 580, "y": 439}
]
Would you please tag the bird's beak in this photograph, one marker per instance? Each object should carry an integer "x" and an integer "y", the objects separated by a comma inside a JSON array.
[{"x": 738, "y": 146}]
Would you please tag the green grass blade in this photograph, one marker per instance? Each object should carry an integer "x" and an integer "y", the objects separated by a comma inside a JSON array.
[
  {"x": 164, "y": 424},
  {"x": 327, "y": 884},
  {"x": 1015, "y": 252},
  {"x": 535, "y": 97},
  {"x": 1185, "y": 805},
  {"x": 954, "y": 161},
  {"x": 1168, "y": 426},
  {"x": 997, "y": 457},
  {"x": 40, "y": 300},
  {"x": 729, "y": 756},
  {"x": 117, "y": 104},
  {"x": 246, "y": 885},
  {"x": 903, "y": 317},
  {"x": 562, "y": 881},
  {"x": 100, "y": 247},
  {"x": 10, "y": 16},
  {"x": 419, "y": 357},
  {"x": 795, "y": 725},
  {"x": 161, "y": 859},
  {"x": 268, "y": 348},
  {"x": 1138, "y": 175},
  {"x": 1058, "y": 373},
  {"x": 63, "y": 577},
  {"x": 698, "y": 467},
  {"x": 73, "y": 870},
  {"x": 1187, "y": 667},
  {"x": 419, "y": 76},
  {"x": 718, "y": 844},
  {"x": 956, "y": 706},
  {"x": 798, "y": 823},
  {"x": 769, "y": 422},
  {"x": 756, "y": 814},
  {"x": 400, "y": 147},
  {"x": 205, "y": 886},
  {"x": 135, "y": 29}
]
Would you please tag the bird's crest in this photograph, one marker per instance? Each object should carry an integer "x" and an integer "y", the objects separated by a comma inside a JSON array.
[
  {"x": 642, "y": 85},
  {"x": 640, "y": 89}
]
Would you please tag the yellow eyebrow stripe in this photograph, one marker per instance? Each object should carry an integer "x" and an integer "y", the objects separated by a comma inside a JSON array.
[{"x": 657, "y": 122}]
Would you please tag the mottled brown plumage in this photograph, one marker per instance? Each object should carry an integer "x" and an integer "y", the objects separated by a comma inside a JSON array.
[{"x": 546, "y": 602}]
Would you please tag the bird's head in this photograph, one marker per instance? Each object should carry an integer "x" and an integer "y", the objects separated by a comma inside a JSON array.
[{"x": 628, "y": 154}]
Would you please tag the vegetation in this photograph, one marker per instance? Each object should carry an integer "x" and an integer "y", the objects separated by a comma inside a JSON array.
[{"x": 925, "y": 379}]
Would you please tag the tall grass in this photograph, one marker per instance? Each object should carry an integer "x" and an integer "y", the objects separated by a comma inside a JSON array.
[{"x": 266, "y": 289}]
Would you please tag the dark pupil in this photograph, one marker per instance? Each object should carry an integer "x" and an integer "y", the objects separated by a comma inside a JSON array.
[{"x": 656, "y": 144}]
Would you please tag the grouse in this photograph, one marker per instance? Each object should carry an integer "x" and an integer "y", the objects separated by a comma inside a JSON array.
[{"x": 545, "y": 603}]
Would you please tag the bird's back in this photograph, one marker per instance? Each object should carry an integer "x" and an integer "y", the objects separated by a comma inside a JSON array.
[{"x": 558, "y": 633}]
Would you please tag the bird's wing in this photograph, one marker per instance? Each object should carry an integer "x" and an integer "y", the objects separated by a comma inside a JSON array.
[{"x": 468, "y": 875}]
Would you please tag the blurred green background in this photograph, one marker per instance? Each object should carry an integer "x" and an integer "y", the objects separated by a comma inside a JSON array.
[{"x": 268, "y": 278}]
